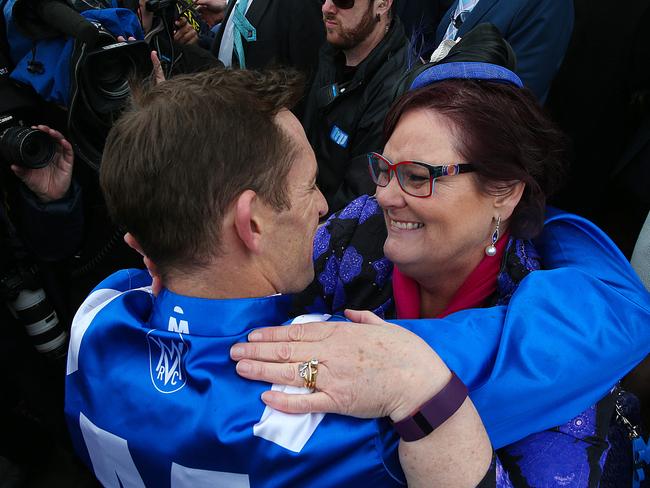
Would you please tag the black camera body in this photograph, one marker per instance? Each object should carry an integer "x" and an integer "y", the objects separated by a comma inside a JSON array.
[
  {"x": 107, "y": 69},
  {"x": 158, "y": 6},
  {"x": 19, "y": 143},
  {"x": 24, "y": 146},
  {"x": 171, "y": 10},
  {"x": 166, "y": 10},
  {"x": 100, "y": 89}
]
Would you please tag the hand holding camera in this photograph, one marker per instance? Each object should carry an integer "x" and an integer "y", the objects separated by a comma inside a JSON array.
[
  {"x": 184, "y": 33},
  {"x": 50, "y": 182},
  {"x": 212, "y": 11}
]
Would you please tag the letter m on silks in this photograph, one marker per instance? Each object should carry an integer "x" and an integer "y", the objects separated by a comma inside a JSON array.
[
  {"x": 175, "y": 326},
  {"x": 166, "y": 361}
]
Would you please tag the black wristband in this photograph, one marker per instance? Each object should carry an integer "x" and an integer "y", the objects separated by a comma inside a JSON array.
[{"x": 434, "y": 412}]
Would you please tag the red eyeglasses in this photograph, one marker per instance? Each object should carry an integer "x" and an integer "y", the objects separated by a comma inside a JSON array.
[
  {"x": 414, "y": 177},
  {"x": 342, "y": 4}
]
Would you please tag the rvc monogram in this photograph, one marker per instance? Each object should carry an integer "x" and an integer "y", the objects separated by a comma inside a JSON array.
[
  {"x": 167, "y": 373},
  {"x": 168, "y": 368}
]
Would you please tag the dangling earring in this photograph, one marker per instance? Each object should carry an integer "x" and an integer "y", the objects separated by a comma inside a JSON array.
[{"x": 491, "y": 250}]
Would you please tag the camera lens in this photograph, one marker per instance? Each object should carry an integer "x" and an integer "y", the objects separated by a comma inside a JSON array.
[
  {"x": 112, "y": 76},
  {"x": 27, "y": 147},
  {"x": 41, "y": 322}
]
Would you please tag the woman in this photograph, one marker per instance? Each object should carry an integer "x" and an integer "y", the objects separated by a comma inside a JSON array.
[{"x": 461, "y": 189}]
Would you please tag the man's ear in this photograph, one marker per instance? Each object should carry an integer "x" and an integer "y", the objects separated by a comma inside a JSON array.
[
  {"x": 247, "y": 220},
  {"x": 508, "y": 201},
  {"x": 132, "y": 242},
  {"x": 384, "y": 6},
  {"x": 156, "y": 278}
]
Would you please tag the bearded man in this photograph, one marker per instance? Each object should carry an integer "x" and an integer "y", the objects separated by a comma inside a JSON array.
[{"x": 365, "y": 55}]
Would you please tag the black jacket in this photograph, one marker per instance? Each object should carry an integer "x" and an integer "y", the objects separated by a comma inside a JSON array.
[
  {"x": 344, "y": 121},
  {"x": 289, "y": 34}
]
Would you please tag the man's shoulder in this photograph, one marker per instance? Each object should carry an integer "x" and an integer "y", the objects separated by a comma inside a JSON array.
[
  {"x": 124, "y": 280},
  {"x": 106, "y": 305},
  {"x": 123, "y": 283}
]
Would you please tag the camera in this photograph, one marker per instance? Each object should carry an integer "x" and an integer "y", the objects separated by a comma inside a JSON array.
[
  {"x": 28, "y": 303},
  {"x": 107, "y": 70},
  {"x": 171, "y": 10},
  {"x": 160, "y": 5},
  {"x": 24, "y": 146},
  {"x": 100, "y": 89},
  {"x": 19, "y": 143}
]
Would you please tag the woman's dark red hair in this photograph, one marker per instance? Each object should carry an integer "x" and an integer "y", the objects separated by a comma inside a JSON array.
[{"x": 502, "y": 130}]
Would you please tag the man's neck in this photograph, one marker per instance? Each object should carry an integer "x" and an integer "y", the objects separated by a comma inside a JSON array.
[
  {"x": 221, "y": 282},
  {"x": 356, "y": 55}
]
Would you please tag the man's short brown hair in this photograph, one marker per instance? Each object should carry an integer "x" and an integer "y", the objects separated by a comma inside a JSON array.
[{"x": 186, "y": 148}]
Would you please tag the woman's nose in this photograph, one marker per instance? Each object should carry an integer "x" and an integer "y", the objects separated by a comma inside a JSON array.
[{"x": 390, "y": 195}]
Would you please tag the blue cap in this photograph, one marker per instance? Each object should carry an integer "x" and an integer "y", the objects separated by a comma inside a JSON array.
[{"x": 465, "y": 71}]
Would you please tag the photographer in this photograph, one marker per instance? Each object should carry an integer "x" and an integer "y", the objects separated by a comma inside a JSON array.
[
  {"x": 40, "y": 222},
  {"x": 174, "y": 39},
  {"x": 51, "y": 203}
]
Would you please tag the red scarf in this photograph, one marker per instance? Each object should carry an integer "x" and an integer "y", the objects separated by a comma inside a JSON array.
[{"x": 478, "y": 287}]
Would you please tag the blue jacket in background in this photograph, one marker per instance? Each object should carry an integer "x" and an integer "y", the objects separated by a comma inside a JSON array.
[
  {"x": 53, "y": 85},
  {"x": 539, "y": 31}
]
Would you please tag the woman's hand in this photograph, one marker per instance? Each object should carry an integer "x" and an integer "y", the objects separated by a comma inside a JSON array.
[
  {"x": 53, "y": 181},
  {"x": 371, "y": 369},
  {"x": 366, "y": 369}
]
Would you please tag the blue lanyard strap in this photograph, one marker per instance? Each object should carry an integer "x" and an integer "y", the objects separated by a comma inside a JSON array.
[{"x": 243, "y": 29}]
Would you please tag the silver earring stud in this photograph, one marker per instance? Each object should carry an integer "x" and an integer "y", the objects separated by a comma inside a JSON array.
[{"x": 491, "y": 250}]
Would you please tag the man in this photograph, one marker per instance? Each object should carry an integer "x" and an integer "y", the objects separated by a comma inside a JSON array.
[
  {"x": 539, "y": 32},
  {"x": 365, "y": 55},
  {"x": 152, "y": 397}
]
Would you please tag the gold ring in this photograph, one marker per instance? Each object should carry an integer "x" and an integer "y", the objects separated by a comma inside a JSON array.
[{"x": 308, "y": 371}]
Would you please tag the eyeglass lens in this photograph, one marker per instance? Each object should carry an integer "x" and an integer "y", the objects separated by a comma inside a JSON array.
[
  {"x": 342, "y": 4},
  {"x": 413, "y": 178}
]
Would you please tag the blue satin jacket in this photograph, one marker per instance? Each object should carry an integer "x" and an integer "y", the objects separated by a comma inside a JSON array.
[{"x": 153, "y": 399}]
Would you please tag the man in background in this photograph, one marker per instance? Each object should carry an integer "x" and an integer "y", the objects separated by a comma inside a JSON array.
[{"x": 365, "y": 56}]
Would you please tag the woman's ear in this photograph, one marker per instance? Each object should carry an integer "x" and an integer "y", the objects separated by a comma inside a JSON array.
[{"x": 507, "y": 201}]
